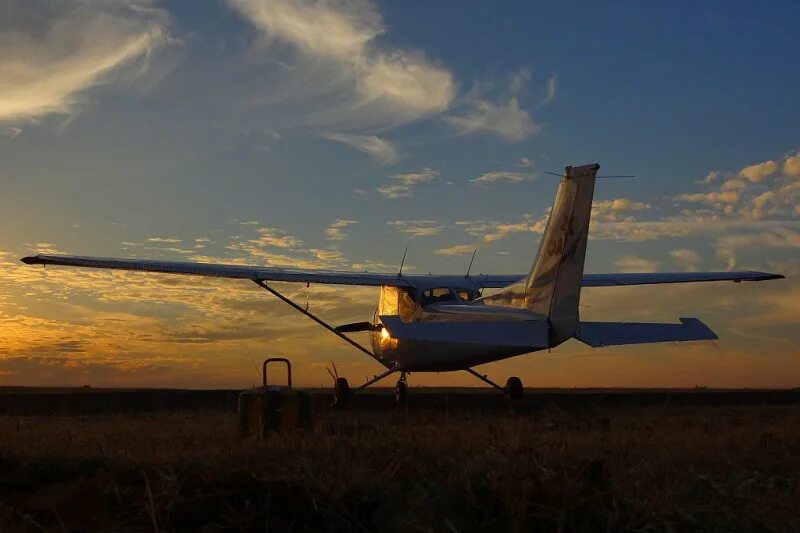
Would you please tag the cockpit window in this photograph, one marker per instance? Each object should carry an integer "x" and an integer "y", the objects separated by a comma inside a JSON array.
[{"x": 437, "y": 295}]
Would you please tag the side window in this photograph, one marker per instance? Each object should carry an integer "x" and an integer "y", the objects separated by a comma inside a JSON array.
[
  {"x": 464, "y": 294},
  {"x": 437, "y": 295}
]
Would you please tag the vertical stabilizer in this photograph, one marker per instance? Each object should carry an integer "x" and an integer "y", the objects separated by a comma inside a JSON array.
[{"x": 553, "y": 287}]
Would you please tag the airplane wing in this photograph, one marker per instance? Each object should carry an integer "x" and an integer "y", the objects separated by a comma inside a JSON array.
[
  {"x": 255, "y": 273},
  {"x": 262, "y": 273},
  {"x": 616, "y": 280}
]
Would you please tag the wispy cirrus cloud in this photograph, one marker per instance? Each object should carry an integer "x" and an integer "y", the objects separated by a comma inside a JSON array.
[
  {"x": 687, "y": 259},
  {"x": 417, "y": 228},
  {"x": 552, "y": 89},
  {"x": 459, "y": 249},
  {"x": 57, "y": 50},
  {"x": 335, "y": 232},
  {"x": 504, "y": 118},
  {"x": 403, "y": 183},
  {"x": 379, "y": 149},
  {"x": 636, "y": 264},
  {"x": 507, "y": 120},
  {"x": 503, "y": 175},
  {"x": 366, "y": 84}
]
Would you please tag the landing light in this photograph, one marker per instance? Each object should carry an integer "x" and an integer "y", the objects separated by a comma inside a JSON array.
[{"x": 385, "y": 334}]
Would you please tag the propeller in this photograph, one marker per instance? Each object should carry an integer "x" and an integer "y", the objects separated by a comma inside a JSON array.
[{"x": 356, "y": 326}]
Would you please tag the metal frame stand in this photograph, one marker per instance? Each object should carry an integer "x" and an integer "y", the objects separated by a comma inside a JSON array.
[{"x": 486, "y": 380}]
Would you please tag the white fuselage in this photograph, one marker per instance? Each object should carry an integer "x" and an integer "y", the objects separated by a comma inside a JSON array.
[{"x": 426, "y": 305}]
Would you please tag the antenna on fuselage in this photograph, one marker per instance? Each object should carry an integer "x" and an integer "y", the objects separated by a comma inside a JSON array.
[
  {"x": 469, "y": 267},
  {"x": 402, "y": 262}
]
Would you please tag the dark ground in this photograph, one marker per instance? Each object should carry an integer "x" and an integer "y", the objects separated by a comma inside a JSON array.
[
  {"x": 80, "y": 400},
  {"x": 455, "y": 460}
]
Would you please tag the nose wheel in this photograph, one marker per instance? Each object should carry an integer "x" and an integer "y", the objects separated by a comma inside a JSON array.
[{"x": 401, "y": 390}]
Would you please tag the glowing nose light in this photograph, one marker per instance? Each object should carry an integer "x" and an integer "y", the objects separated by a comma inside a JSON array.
[{"x": 385, "y": 334}]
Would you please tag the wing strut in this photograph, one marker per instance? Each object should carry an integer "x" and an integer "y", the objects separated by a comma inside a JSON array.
[{"x": 263, "y": 285}]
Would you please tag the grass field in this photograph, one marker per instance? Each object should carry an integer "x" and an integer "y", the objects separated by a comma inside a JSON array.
[{"x": 626, "y": 468}]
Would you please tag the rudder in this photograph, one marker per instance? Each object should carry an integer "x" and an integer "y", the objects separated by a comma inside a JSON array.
[{"x": 553, "y": 286}]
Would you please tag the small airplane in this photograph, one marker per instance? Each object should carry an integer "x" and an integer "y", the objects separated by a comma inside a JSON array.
[{"x": 436, "y": 323}]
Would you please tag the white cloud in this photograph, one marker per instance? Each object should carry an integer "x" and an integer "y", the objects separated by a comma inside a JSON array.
[
  {"x": 380, "y": 149},
  {"x": 164, "y": 240},
  {"x": 552, "y": 89},
  {"x": 524, "y": 162},
  {"x": 12, "y": 132},
  {"x": 417, "y": 228},
  {"x": 734, "y": 185},
  {"x": 791, "y": 167},
  {"x": 778, "y": 237},
  {"x": 687, "y": 259},
  {"x": 710, "y": 177},
  {"x": 337, "y": 41},
  {"x": 502, "y": 175},
  {"x": 459, "y": 249},
  {"x": 404, "y": 183},
  {"x": 74, "y": 46},
  {"x": 335, "y": 232},
  {"x": 268, "y": 237},
  {"x": 724, "y": 197},
  {"x": 636, "y": 264},
  {"x": 498, "y": 231},
  {"x": 759, "y": 171},
  {"x": 616, "y": 209},
  {"x": 508, "y": 121},
  {"x": 519, "y": 79}
]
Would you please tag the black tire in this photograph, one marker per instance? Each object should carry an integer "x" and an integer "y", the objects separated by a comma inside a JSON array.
[
  {"x": 513, "y": 388},
  {"x": 401, "y": 393},
  {"x": 341, "y": 393}
]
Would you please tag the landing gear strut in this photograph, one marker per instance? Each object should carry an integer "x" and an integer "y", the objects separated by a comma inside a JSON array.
[
  {"x": 401, "y": 390},
  {"x": 513, "y": 389}
]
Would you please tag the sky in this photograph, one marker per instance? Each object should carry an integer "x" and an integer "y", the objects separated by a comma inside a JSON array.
[{"x": 325, "y": 134}]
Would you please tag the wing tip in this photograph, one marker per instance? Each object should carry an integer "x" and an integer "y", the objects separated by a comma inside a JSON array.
[{"x": 32, "y": 260}]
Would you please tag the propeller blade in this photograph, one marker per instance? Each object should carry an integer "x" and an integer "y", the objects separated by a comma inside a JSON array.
[{"x": 354, "y": 327}]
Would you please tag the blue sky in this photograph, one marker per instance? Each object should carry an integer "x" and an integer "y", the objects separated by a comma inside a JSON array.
[{"x": 333, "y": 134}]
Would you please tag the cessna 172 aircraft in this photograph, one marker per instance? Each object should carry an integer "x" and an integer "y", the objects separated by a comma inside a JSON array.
[{"x": 433, "y": 323}]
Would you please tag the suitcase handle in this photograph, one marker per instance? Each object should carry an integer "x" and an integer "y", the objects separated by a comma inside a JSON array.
[{"x": 277, "y": 360}]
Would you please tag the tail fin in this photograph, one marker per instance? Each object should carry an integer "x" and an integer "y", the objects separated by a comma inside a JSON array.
[{"x": 553, "y": 286}]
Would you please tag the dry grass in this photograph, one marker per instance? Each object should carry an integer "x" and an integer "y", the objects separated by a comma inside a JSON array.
[{"x": 656, "y": 468}]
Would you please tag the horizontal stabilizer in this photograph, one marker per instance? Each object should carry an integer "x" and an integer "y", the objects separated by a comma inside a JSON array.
[
  {"x": 599, "y": 334},
  {"x": 524, "y": 333},
  {"x": 652, "y": 278}
]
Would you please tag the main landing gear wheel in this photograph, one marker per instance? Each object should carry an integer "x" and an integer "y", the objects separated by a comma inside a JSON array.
[
  {"x": 341, "y": 392},
  {"x": 513, "y": 388},
  {"x": 401, "y": 392}
]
